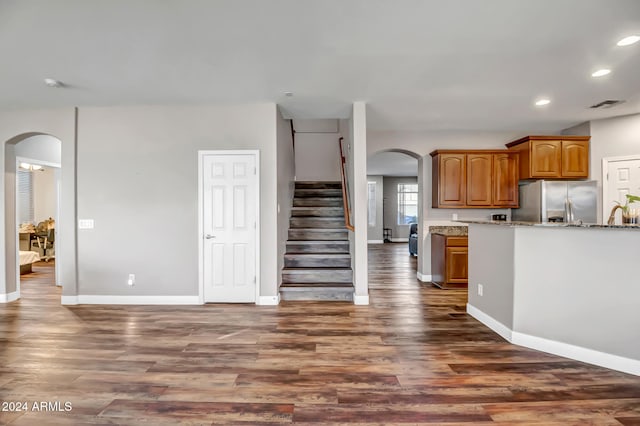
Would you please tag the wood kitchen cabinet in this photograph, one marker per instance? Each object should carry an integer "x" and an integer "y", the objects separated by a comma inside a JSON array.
[
  {"x": 552, "y": 157},
  {"x": 450, "y": 170},
  {"x": 475, "y": 179},
  {"x": 505, "y": 180},
  {"x": 449, "y": 261},
  {"x": 479, "y": 180}
]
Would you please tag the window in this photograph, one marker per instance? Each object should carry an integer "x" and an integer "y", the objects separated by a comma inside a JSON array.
[
  {"x": 371, "y": 190},
  {"x": 407, "y": 203},
  {"x": 25, "y": 197}
]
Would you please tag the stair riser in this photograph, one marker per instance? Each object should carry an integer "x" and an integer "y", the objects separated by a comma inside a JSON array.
[
  {"x": 317, "y": 202},
  {"x": 318, "y": 212},
  {"x": 316, "y": 222},
  {"x": 318, "y": 185},
  {"x": 316, "y": 295},
  {"x": 318, "y": 193},
  {"x": 318, "y": 248},
  {"x": 313, "y": 235},
  {"x": 317, "y": 276},
  {"x": 293, "y": 261}
]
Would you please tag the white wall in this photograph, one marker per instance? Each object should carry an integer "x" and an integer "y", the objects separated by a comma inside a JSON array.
[
  {"x": 41, "y": 147},
  {"x": 138, "y": 180},
  {"x": 573, "y": 286},
  {"x": 374, "y": 233},
  {"x": 44, "y": 194},
  {"x": 613, "y": 137},
  {"x": 317, "y": 157},
  {"x": 286, "y": 174},
  {"x": 491, "y": 252},
  {"x": 16, "y": 125}
]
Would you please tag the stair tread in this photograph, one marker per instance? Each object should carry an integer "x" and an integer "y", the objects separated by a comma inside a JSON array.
[
  {"x": 314, "y": 242},
  {"x": 317, "y": 285},
  {"x": 319, "y": 254},
  {"x": 328, "y": 219},
  {"x": 319, "y": 207},
  {"x": 316, "y": 182},
  {"x": 320, "y": 229},
  {"x": 328, "y": 197},
  {"x": 311, "y": 269}
]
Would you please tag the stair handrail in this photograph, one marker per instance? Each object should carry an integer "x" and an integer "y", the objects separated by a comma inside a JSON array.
[
  {"x": 345, "y": 189},
  {"x": 293, "y": 135}
]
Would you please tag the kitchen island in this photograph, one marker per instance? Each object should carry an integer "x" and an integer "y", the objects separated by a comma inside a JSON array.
[{"x": 567, "y": 289}]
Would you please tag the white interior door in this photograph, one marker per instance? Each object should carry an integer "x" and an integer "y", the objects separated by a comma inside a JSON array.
[
  {"x": 229, "y": 227},
  {"x": 623, "y": 178}
]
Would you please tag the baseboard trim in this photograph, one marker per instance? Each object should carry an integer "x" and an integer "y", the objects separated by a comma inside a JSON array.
[
  {"x": 424, "y": 278},
  {"x": 69, "y": 300},
  {"x": 360, "y": 299},
  {"x": 268, "y": 300},
  {"x": 9, "y": 297},
  {"x": 590, "y": 356},
  {"x": 567, "y": 350},
  {"x": 375, "y": 242},
  {"x": 90, "y": 299},
  {"x": 495, "y": 325},
  {"x": 399, "y": 240}
]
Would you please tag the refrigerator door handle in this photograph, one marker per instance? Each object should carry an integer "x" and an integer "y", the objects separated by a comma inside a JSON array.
[{"x": 568, "y": 211}]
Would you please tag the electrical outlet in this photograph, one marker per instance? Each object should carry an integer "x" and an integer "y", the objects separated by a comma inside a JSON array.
[
  {"x": 480, "y": 289},
  {"x": 132, "y": 279},
  {"x": 85, "y": 224},
  {"x": 454, "y": 216}
]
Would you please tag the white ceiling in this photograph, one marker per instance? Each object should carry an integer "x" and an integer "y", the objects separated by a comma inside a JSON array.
[
  {"x": 419, "y": 64},
  {"x": 392, "y": 164}
]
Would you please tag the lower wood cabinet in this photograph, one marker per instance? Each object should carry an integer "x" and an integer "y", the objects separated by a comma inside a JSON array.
[{"x": 449, "y": 261}]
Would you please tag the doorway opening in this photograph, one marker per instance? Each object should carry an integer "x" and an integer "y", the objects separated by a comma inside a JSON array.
[
  {"x": 32, "y": 211},
  {"x": 394, "y": 194}
]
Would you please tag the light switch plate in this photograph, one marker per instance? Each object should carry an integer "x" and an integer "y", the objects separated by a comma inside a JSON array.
[{"x": 85, "y": 224}]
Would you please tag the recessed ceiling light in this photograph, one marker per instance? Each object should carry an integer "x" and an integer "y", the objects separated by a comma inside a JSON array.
[
  {"x": 601, "y": 73},
  {"x": 52, "y": 82},
  {"x": 542, "y": 102},
  {"x": 289, "y": 94},
  {"x": 629, "y": 40}
]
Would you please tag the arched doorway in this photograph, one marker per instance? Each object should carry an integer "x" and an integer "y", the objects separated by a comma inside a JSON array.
[
  {"x": 32, "y": 153},
  {"x": 413, "y": 163},
  {"x": 394, "y": 192}
]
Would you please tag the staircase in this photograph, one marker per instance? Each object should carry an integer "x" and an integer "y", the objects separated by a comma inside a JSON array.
[{"x": 317, "y": 263}]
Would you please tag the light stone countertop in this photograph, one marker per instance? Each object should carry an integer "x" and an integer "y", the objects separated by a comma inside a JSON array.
[
  {"x": 449, "y": 231},
  {"x": 551, "y": 224}
]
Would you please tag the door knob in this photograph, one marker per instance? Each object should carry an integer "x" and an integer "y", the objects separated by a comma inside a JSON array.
[{"x": 209, "y": 236}]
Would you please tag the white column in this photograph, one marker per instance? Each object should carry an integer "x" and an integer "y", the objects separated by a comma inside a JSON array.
[{"x": 359, "y": 152}]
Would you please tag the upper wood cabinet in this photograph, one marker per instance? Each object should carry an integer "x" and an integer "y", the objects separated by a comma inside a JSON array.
[
  {"x": 450, "y": 169},
  {"x": 553, "y": 157},
  {"x": 575, "y": 159},
  {"x": 475, "y": 179},
  {"x": 479, "y": 180},
  {"x": 505, "y": 179}
]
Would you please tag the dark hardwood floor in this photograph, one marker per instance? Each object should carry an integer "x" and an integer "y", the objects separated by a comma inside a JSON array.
[{"x": 412, "y": 356}]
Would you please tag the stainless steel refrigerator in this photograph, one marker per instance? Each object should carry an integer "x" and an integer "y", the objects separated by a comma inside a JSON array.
[{"x": 557, "y": 201}]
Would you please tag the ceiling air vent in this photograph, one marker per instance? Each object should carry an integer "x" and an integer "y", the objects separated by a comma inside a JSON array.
[{"x": 606, "y": 104}]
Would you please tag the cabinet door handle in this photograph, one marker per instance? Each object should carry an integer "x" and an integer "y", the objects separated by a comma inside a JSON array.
[{"x": 209, "y": 236}]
